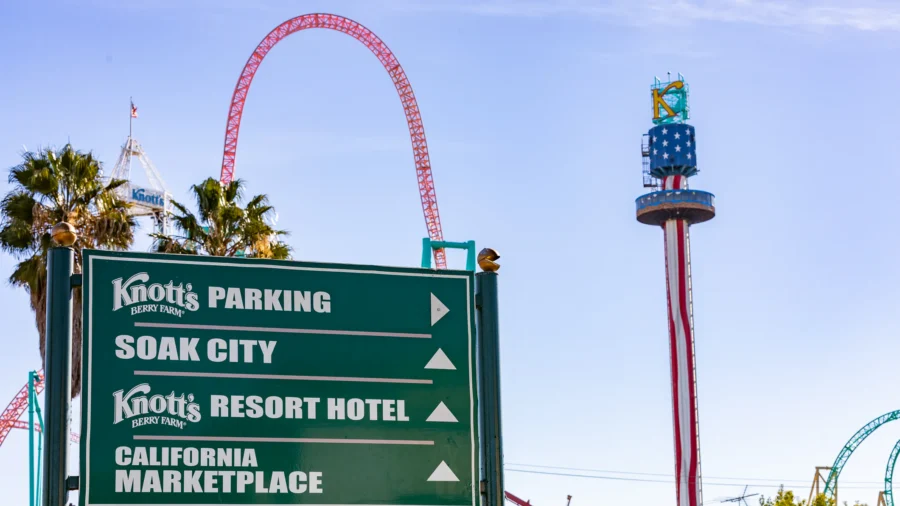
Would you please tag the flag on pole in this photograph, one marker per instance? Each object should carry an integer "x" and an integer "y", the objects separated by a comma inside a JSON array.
[{"x": 133, "y": 110}]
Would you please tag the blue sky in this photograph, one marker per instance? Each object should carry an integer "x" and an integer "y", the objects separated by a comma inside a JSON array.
[{"x": 534, "y": 112}]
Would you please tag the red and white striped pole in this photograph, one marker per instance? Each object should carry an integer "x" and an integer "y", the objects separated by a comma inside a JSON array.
[{"x": 681, "y": 349}]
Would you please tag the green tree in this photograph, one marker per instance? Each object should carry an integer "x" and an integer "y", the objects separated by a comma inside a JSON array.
[
  {"x": 786, "y": 498},
  {"x": 49, "y": 187},
  {"x": 822, "y": 500},
  {"x": 221, "y": 227}
]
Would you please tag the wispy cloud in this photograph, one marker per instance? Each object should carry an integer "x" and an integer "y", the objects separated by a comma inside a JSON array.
[
  {"x": 517, "y": 8},
  {"x": 854, "y": 14},
  {"x": 866, "y": 15}
]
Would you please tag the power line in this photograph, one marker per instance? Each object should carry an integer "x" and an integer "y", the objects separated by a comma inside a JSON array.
[
  {"x": 616, "y": 478},
  {"x": 672, "y": 476},
  {"x": 647, "y": 480},
  {"x": 592, "y": 470}
]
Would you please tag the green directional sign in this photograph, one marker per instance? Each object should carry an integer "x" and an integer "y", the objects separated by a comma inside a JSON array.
[{"x": 213, "y": 381}]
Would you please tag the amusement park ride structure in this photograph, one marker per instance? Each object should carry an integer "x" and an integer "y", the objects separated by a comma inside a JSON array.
[
  {"x": 155, "y": 201},
  {"x": 829, "y": 485},
  {"x": 341, "y": 24},
  {"x": 670, "y": 205},
  {"x": 669, "y": 151}
]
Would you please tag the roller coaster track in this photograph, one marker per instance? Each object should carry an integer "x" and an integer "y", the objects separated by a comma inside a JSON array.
[
  {"x": 889, "y": 475},
  {"x": 359, "y": 32},
  {"x": 9, "y": 420},
  {"x": 853, "y": 444}
]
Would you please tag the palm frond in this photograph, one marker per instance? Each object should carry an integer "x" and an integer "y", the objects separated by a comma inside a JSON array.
[
  {"x": 17, "y": 239},
  {"x": 167, "y": 244},
  {"x": 280, "y": 251},
  {"x": 30, "y": 273},
  {"x": 115, "y": 183},
  {"x": 257, "y": 201},
  {"x": 18, "y": 206},
  {"x": 234, "y": 191}
]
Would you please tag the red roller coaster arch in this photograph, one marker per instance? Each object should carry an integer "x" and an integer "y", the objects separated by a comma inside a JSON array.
[{"x": 401, "y": 82}]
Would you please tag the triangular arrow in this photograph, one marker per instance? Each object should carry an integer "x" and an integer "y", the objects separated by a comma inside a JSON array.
[
  {"x": 440, "y": 361},
  {"x": 441, "y": 414},
  {"x": 438, "y": 309},
  {"x": 443, "y": 473}
]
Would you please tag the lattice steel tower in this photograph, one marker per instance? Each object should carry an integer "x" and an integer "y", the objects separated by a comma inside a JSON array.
[
  {"x": 669, "y": 152},
  {"x": 155, "y": 201}
]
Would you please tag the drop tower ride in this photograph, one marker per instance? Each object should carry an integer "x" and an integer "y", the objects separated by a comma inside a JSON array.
[{"x": 669, "y": 152}]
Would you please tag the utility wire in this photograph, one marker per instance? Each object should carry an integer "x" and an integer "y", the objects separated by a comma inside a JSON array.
[
  {"x": 672, "y": 476},
  {"x": 647, "y": 480},
  {"x": 592, "y": 470}
]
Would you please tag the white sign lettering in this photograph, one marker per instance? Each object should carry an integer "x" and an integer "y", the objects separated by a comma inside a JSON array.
[{"x": 269, "y": 300}]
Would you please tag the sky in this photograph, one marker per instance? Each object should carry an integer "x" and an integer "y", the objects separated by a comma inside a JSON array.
[{"x": 533, "y": 112}]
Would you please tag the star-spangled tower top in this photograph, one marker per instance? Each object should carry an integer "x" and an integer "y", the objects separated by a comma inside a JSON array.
[{"x": 672, "y": 150}]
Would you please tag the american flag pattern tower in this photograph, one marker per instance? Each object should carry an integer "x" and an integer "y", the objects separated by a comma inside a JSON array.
[{"x": 672, "y": 154}]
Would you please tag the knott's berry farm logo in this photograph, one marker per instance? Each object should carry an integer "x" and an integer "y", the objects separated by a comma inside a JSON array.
[
  {"x": 148, "y": 197},
  {"x": 154, "y": 410},
  {"x": 169, "y": 298}
]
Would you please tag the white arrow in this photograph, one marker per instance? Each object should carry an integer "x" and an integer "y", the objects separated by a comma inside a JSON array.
[
  {"x": 440, "y": 361},
  {"x": 441, "y": 414},
  {"x": 443, "y": 473},
  {"x": 438, "y": 309}
]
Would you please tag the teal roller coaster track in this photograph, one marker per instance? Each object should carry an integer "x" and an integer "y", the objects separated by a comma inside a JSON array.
[
  {"x": 889, "y": 475},
  {"x": 853, "y": 444}
]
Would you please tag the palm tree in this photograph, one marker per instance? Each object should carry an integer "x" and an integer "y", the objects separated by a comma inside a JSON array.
[
  {"x": 49, "y": 187},
  {"x": 222, "y": 227}
]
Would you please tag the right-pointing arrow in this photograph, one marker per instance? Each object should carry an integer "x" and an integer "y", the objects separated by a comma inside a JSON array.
[
  {"x": 441, "y": 414},
  {"x": 438, "y": 310},
  {"x": 440, "y": 361},
  {"x": 443, "y": 473}
]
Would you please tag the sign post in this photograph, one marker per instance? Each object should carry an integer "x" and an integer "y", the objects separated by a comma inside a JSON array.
[
  {"x": 57, "y": 365},
  {"x": 489, "y": 357},
  {"x": 224, "y": 381}
]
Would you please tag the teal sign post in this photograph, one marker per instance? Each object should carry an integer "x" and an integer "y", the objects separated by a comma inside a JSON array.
[{"x": 211, "y": 381}]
